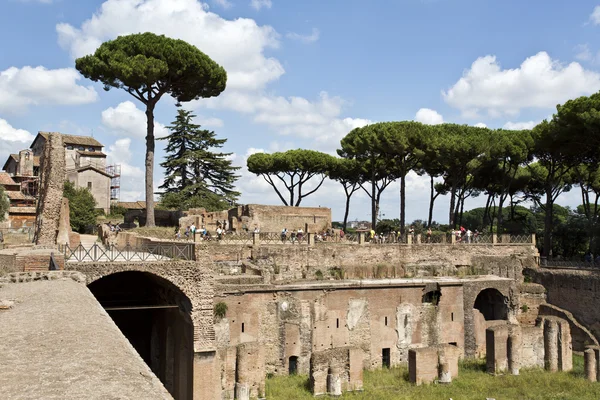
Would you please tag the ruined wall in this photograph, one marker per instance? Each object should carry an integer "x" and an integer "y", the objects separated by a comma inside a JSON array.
[
  {"x": 52, "y": 178},
  {"x": 383, "y": 261},
  {"x": 297, "y": 320},
  {"x": 575, "y": 291}
]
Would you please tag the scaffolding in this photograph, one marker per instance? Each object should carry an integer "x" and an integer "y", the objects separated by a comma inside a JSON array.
[{"x": 115, "y": 181}]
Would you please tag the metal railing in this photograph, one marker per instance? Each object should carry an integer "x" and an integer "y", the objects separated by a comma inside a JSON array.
[
  {"x": 145, "y": 252},
  {"x": 570, "y": 264}
]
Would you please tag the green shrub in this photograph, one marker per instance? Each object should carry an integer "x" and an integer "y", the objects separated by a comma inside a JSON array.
[
  {"x": 524, "y": 308},
  {"x": 319, "y": 274},
  {"x": 220, "y": 310}
]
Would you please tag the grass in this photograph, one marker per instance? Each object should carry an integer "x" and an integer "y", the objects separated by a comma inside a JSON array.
[{"x": 472, "y": 383}]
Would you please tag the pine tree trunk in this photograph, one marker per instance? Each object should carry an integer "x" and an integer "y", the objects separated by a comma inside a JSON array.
[
  {"x": 150, "y": 165},
  {"x": 347, "y": 209},
  {"x": 373, "y": 201},
  {"x": 431, "y": 200},
  {"x": 547, "y": 251},
  {"x": 402, "y": 205},
  {"x": 451, "y": 221}
]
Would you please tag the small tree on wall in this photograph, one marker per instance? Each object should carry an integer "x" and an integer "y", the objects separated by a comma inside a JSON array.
[{"x": 82, "y": 207}]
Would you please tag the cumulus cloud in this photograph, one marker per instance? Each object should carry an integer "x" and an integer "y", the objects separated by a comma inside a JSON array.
[
  {"x": 132, "y": 177},
  {"x": 318, "y": 120},
  {"x": 539, "y": 82},
  {"x": 128, "y": 120},
  {"x": 481, "y": 125},
  {"x": 429, "y": 117},
  {"x": 238, "y": 45},
  {"x": 595, "y": 16},
  {"x": 28, "y": 86},
  {"x": 12, "y": 140},
  {"x": 516, "y": 126},
  {"x": 223, "y": 3},
  {"x": 313, "y": 37},
  {"x": 258, "y": 4}
]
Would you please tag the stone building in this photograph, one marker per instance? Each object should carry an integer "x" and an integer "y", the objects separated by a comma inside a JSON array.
[
  {"x": 85, "y": 167},
  {"x": 21, "y": 212}
]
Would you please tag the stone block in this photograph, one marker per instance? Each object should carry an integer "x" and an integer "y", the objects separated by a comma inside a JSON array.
[
  {"x": 250, "y": 370},
  {"x": 496, "y": 340},
  {"x": 449, "y": 354},
  {"x": 423, "y": 365},
  {"x": 336, "y": 368}
]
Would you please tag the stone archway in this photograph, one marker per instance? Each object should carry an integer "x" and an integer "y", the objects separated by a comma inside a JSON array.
[
  {"x": 194, "y": 286},
  {"x": 486, "y": 303},
  {"x": 155, "y": 316}
]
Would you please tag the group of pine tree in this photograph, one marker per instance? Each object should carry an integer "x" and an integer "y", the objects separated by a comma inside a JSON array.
[{"x": 461, "y": 161}]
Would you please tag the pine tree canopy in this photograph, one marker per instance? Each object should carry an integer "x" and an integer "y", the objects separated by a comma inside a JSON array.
[{"x": 197, "y": 174}]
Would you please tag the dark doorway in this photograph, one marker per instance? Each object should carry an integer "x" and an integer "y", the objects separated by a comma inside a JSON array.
[
  {"x": 432, "y": 297},
  {"x": 293, "y": 365},
  {"x": 492, "y": 304},
  {"x": 154, "y": 315},
  {"x": 385, "y": 358}
]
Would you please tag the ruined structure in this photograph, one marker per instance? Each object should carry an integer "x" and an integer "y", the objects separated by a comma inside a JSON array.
[
  {"x": 51, "y": 191},
  {"x": 84, "y": 165}
]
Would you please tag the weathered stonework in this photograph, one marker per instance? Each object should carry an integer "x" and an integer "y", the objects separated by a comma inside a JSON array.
[
  {"x": 334, "y": 371},
  {"x": 52, "y": 179}
]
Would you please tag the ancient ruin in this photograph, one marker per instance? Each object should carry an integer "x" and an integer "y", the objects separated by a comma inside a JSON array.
[{"x": 328, "y": 308}]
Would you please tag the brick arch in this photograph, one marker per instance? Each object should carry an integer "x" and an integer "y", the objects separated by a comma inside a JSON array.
[
  {"x": 193, "y": 281},
  {"x": 471, "y": 289}
]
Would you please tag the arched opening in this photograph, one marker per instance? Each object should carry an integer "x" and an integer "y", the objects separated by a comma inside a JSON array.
[
  {"x": 293, "y": 365},
  {"x": 154, "y": 315},
  {"x": 432, "y": 297},
  {"x": 492, "y": 305}
]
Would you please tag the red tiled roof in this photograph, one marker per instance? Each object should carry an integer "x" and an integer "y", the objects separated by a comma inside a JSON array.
[
  {"x": 14, "y": 195},
  {"x": 5, "y": 179}
]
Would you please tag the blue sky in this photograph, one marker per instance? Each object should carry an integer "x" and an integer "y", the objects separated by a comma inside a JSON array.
[{"x": 302, "y": 74}]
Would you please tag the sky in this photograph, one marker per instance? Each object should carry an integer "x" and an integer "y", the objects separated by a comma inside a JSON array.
[{"x": 302, "y": 74}]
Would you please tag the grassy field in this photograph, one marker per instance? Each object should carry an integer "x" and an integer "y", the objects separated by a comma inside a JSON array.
[{"x": 473, "y": 383}]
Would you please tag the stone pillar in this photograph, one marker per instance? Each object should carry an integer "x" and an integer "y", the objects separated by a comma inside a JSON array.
[
  {"x": 496, "y": 354},
  {"x": 409, "y": 239},
  {"x": 533, "y": 239},
  {"x": 453, "y": 239},
  {"x": 505, "y": 239},
  {"x": 422, "y": 365},
  {"x": 334, "y": 382},
  {"x": 51, "y": 184},
  {"x": 444, "y": 372},
  {"x": 64, "y": 224},
  {"x": 565, "y": 349},
  {"x": 589, "y": 356},
  {"x": 551, "y": 345},
  {"x": 356, "y": 369},
  {"x": 206, "y": 383},
  {"x": 514, "y": 345},
  {"x": 597, "y": 357},
  {"x": 361, "y": 238},
  {"x": 256, "y": 238},
  {"x": 494, "y": 238},
  {"x": 418, "y": 238},
  {"x": 250, "y": 371},
  {"x": 311, "y": 238}
]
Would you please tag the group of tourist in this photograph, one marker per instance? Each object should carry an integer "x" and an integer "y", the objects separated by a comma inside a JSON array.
[
  {"x": 294, "y": 235},
  {"x": 464, "y": 235}
]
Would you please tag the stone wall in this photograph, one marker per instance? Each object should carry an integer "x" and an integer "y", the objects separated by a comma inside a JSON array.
[
  {"x": 52, "y": 178},
  {"x": 382, "y": 261},
  {"x": 370, "y": 316},
  {"x": 28, "y": 260},
  {"x": 265, "y": 218},
  {"x": 577, "y": 292}
]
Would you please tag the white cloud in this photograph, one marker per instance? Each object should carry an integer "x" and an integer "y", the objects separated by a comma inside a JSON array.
[
  {"x": 319, "y": 120},
  {"x": 258, "y": 4},
  {"x": 516, "y": 126},
  {"x": 28, "y": 86},
  {"x": 132, "y": 177},
  {"x": 313, "y": 37},
  {"x": 595, "y": 16},
  {"x": 223, "y": 3},
  {"x": 206, "y": 122},
  {"x": 583, "y": 52},
  {"x": 238, "y": 45},
  {"x": 428, "y": 116},
  {"x": 129, "y": 120},
  {"x": 480, "y": 125},
  {"x": 12, "y": 140},
  {"x": 539, "y": 82}
]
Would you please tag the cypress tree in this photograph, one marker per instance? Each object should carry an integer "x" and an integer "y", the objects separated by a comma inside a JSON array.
[{"x": 196, "y": 173}]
